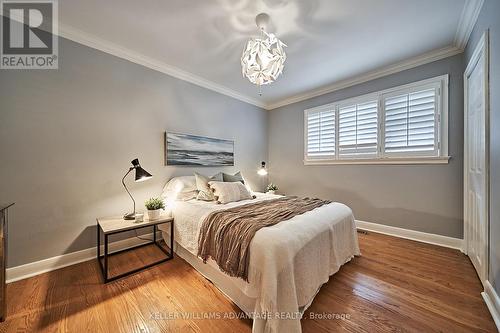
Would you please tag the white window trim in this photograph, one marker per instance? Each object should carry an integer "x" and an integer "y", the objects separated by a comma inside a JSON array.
[
  {"x": 441, "y": 137},
  {"x": 387, "y": 160}
]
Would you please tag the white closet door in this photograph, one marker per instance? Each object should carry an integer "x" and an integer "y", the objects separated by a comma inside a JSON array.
[{"x": 476, "y": 196}]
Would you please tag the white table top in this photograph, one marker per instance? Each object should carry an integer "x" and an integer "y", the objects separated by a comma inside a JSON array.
[{"x": 117, "y": 223}]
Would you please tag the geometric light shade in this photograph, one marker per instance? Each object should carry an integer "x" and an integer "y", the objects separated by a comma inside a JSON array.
[{"x": 263, "y": 59}]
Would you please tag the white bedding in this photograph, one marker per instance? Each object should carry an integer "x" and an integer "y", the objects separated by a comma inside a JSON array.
[{"x": 288, "y": 261}]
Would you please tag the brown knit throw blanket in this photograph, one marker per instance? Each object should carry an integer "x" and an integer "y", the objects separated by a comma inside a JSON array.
[{"x": 225, "y": 235}]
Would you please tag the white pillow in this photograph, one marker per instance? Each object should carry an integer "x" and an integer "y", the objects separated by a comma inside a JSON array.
[
  {"x": 180, "y": 188},
  {"x": 204, "y": 191},
  {"x": 225, "y": 192}
]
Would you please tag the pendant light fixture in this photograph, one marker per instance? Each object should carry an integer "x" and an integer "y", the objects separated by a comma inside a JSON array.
[{"x": 263, "y": 58}]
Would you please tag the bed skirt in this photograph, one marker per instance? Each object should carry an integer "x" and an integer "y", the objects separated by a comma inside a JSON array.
[
  {"x": 222, "y": 281},
  {"x": 212, "y": 273}
]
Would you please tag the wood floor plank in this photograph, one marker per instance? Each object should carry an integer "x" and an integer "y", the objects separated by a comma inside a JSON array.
[{"x": 397, "y": 285}]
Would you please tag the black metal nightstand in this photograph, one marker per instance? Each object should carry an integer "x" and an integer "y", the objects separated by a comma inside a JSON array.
[{"x": 115, "y": 225}]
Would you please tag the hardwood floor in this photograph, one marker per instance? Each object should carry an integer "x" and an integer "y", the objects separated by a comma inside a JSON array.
[{"x": 396, "y": 285}]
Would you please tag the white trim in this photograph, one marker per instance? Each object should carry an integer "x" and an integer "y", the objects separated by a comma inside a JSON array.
[
  {"x": 468, "y": 19},
  {"x": 140, "y": 59},
  {"x": 482, "y": 48},
  {"x": 444, "y": 116},
  {"x": 46, "y": 265},
  {"x": 108, "y": 47},
  {"x": 135, "y": 57},
  {"x": 454, "y": 243},
  {"x": 444, "y": 78},
  {"x": 391, "y": 160},
  {"x": 492, "y": 302},
  {"x": 466, "y": 24},
  {"x": 381, "y": 72}
]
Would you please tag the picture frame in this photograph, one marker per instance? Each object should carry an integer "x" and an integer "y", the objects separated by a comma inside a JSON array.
[{"x": 195, "y": 150}]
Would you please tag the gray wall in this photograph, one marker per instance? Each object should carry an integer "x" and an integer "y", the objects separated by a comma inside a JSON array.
[
  {"x": 67, "y": 137},
  {"x": 426, "y": 198},
  {"x": 489, "y": 18}
]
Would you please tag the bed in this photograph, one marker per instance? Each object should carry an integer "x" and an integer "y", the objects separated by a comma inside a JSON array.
[{"x": 283, "y": 279}]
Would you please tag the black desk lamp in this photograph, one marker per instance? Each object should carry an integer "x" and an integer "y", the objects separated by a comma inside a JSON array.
[{"x": 140, "y": 175}]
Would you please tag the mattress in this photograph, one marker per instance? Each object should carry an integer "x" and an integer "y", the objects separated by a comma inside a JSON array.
[{"x": 288, "y": 261}]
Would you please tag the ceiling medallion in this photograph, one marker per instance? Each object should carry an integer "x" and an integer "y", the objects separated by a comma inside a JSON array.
[{"x": 263, "y": 58}]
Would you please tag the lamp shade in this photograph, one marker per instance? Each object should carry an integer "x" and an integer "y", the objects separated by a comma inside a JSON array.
[
  {"x": 262, "y": 171},
  {"x": 140, "y": 173}
]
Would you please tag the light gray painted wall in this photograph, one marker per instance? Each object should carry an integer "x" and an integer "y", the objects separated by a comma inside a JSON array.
[
  {"x": 426, "y": 198},
  {"x": 489, "y": 18},
  {"x": 67, "y": 137}
]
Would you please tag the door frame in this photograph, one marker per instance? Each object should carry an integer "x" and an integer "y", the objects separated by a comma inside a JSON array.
[{"x": 482, "y": 48}]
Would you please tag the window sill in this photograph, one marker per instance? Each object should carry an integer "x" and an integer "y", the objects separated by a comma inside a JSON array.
[{"x": 393, "y": 160}]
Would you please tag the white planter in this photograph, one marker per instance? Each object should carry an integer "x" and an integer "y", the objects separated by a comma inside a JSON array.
[
  {"x": 271, "y": 192},
  {"x": 154, "y": 214}
]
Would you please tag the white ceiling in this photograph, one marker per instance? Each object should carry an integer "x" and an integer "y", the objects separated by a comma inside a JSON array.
[{"x": 201, "y": 40}]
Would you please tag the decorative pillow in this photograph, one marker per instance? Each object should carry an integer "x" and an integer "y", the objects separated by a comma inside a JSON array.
[
  {"x": 218, "y": 177},
  {"x": 180, "y": 188},
  {"x": 237, "y": 177},
  {"x": 204, "y": 191},
  {"x": 225, "y": 192}
]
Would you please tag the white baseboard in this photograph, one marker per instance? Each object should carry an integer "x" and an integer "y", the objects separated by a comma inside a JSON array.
[
  {"x": 46, "y": 265},
  {"x": 492, "y": 301},
  {"x": 454, "y": 243}
]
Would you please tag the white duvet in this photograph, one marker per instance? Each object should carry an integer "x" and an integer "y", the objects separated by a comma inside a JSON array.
[{"x": 288, "y": 261}]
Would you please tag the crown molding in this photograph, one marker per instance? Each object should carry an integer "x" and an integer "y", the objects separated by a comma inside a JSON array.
[
  {"x": 468, "y": 19},
  {"x": 378, "y": 73},
  {"x": 97, "y": 43},
  {"x": 466, "y": 24},
  {"x": 108, "y": 47},
  {"x": 105, "y": 46}
]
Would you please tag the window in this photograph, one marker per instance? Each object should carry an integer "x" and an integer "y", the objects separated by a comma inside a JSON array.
[
  {"x": 358, "y": 130},
  {"x": 410, "y": 123},
  {"x": 321, "y": 134},
  {"x": 406, "y": 124}
]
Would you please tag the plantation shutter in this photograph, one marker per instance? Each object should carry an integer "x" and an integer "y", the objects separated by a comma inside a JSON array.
[
  {"x": 321, "y": 134},
  {"x": 410, "y": 123},
  {"x": 358, "y": 130}
]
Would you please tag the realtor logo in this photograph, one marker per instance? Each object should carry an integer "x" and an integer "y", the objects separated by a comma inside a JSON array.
[{"x": 29, "y": 34}]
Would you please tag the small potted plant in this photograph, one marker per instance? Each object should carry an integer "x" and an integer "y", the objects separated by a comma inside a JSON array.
[
  {"x": 154, "y": 207},
  {"x": 271, "y": 188}
]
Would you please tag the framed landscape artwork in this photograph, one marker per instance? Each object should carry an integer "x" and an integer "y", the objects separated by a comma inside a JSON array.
[{"x": 193, "y": 150}]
